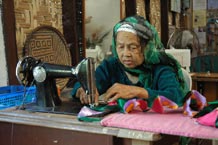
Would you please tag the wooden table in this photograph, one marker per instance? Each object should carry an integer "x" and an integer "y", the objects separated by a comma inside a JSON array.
[
  {"x": 207, "y": 84},
  {"x": 18, "y": 127},
  {"x": 21, "y": 127}
]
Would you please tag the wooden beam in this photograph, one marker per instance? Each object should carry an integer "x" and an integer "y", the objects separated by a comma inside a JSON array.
[
  {"x": 10, "y": 39},
  {"x": 164, "y": 21}
]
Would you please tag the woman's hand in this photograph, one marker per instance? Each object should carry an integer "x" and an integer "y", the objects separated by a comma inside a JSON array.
[
  {"x": 84, "y": 99},
  {"x": 81, "y": 94},
  {"x": 125, "y": 92}
]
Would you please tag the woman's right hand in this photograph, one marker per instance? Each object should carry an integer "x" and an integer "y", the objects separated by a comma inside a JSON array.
[
  {"x": 81, "y": 94},
  {"x": 84, "y": 99}
]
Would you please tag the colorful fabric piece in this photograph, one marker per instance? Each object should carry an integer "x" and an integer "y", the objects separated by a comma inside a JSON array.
[
  {"x": 135, "y": 104},
  {"x": 96, "y": 113},
  {"x": 86, "y": 111},
  {"x": 207, "y": 109},
  {"x": 196, "y": 101},
  {"x": 210, "y": 119},
  {"x": 161, "y": 102},
  {"x": 208, "y": 115},
  {"x": 158, "y": 106}
]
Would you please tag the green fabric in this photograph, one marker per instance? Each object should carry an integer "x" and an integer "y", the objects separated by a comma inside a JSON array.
[
  {"x": 121, "y": 103},
  {"x": 184, "y": 140},
  {"x": 216, "y": 123},
  {"x": 211, "y": 106},
  {"x": 106, "y": 108},
  {"x": 89, "y": 119}
]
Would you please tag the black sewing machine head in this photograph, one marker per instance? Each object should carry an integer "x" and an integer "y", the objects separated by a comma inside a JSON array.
[{"x": 31, "y": 71}]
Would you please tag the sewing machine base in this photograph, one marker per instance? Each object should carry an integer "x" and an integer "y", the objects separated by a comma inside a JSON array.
[{"x": 72, "y": 108}]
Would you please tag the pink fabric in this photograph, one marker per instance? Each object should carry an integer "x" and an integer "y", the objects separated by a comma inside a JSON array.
[
  {"x": 209, "y": 119},
  {"x": 174, "y": 123}
]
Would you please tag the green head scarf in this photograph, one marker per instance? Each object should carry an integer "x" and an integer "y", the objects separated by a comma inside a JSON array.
[
  {"x": 145, "y": 31},
  {"x": 153, "y": 52}
]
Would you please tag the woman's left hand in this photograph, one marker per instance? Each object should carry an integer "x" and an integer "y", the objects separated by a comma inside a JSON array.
[{"x": 125, "y": 92}]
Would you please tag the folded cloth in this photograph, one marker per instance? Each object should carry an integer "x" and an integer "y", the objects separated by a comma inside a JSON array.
[
  {"x": 208, "y": 115},
  {"x": 135, "y": 104},
  {"x": 172, "y": 122},
  {"x": 86, "y": 111},
  {"x": 91, "y": 114},
  {"x": 207, "y": 109},
  {"x": 160, "y": 102},
  {"x": 210, "y": 119},
  {"x": 194, "y": 102},
  {"x": 159, "y": 105}
]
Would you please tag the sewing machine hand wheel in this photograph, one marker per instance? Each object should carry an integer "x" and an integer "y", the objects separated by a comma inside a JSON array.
[{"x": 24, "y": 70}]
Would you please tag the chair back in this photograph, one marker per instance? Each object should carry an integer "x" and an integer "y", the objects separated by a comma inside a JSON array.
[{"x": 187, "y": 78}]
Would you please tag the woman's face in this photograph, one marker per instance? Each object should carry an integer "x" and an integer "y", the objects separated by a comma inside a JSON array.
[{"x": 129, "y": 49}]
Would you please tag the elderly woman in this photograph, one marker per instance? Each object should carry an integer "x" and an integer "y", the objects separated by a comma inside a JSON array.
[{"x": 139, "y": 67}]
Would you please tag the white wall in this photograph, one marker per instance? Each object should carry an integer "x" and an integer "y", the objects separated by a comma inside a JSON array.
[
  {"x": 105, "y": 14},
  {"x": 3, "y": 67}
]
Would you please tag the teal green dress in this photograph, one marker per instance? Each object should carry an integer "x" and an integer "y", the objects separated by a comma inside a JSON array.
[{"x": 163, "y": 82}]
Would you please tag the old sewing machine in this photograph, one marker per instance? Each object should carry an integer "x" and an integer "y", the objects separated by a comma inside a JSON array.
[{"x": 31, "y": 71}]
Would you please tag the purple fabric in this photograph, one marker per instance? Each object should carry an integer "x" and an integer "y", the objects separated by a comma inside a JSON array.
[{"x": 85, "y": 111}]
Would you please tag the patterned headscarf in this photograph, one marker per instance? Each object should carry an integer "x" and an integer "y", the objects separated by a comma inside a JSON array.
[{"x": 153, "y": 52}]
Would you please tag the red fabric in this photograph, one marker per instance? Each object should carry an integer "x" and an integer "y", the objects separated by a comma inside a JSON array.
[
  {"x": 143, "y": 105},
  {"x": 174, "y": 123},
  {"x": 157, "y": 106}
]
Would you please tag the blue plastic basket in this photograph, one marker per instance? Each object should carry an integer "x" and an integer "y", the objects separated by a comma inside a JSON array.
[{"x": 14, "y": 96}]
